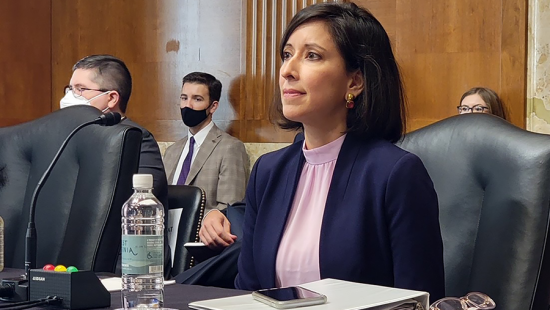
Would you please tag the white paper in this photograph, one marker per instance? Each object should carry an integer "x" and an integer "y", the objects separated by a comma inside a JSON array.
[
  {"x": 174, "y": 216},
  {"x": 341, "y": 295},
  {"x": 114, "y": 284}
]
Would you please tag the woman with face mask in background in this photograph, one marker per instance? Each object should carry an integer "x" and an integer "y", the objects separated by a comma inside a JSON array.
[{"x": 344, "y": 202}]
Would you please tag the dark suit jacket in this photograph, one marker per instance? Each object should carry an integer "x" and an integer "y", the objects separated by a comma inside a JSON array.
[
  {"x": 380, "y": 224},
  {"x": 150, "y": 162}
]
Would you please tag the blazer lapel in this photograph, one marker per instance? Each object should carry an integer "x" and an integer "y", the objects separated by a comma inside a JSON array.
[
  {"x": 295, "y": 167},
  {"x": 172, "y": 161},
  {"x": 336, "y": 194},
  {"x": 212, "y": 139}
]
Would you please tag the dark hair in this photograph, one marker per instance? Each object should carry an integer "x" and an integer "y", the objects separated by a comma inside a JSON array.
[
  {"x": 111, "y": 74},
  {"x": 213, "y": 84},
  {"x": 490, "y": 97},
  {"x": 379, "y": 110}
]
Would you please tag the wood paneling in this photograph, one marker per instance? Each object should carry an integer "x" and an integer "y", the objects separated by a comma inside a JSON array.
[
  {"x": 25, "y": 52},
  {"x": 446, "y": 47},
  {"x": 443, "y": 47},
  {"x": 160, "y": 42}
]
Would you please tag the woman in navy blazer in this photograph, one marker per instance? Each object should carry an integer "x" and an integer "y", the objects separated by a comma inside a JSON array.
[{"x": 380, "y": 223}]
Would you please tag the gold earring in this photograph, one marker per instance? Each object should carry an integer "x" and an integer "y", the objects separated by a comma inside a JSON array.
[{"x": 349, "y": 101}]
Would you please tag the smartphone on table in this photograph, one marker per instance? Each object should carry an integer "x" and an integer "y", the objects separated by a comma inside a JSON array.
[{"x": 289, "y": 297}]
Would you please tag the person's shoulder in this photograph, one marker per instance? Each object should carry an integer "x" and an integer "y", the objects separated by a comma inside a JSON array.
[
  {"x": 227, "y": 141},
  {"x": 281, "y": 157},
  {"x": 178, "y": 144},
  {"x": 227, "y": 138},
  {"x": 385, "y": 148},
  {"x": 130, "y": 122},
  {"x": 383, "y": 153},
  {"x": 146, "y": 133}
]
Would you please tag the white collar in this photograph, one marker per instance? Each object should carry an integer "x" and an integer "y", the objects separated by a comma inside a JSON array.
[{"x": 201, "y": 135}]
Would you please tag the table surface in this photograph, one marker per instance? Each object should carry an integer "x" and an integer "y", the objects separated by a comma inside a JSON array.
[{"x": 176, "y": 296}]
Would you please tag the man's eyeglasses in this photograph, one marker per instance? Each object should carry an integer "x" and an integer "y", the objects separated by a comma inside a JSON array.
[
  {"x": 472, "y": 301},
  {"x": 475, "y": 109},
  {"x": 77, "y": 91}
]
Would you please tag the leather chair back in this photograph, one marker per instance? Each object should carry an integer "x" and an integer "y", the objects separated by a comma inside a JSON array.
[
  {"x": 493, "y": 184},
  {"x": 192, "y": 201},
  {"x": 78, "y": 209}
]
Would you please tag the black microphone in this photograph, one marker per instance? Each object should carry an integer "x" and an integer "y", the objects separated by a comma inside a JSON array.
[{"x": 107, "y": 119}]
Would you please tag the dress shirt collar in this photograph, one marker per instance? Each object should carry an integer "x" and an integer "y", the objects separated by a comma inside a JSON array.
[{"x": 201, "y": 135}]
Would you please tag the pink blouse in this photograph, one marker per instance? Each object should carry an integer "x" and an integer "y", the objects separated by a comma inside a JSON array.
[{"x": 298, "y": 255}]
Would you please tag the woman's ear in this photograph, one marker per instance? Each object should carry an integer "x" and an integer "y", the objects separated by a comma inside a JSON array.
[{"x": 356, "y": 83}]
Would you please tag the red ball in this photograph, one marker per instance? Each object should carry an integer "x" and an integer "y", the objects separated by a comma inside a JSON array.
[{"x": 49, "y": 267}]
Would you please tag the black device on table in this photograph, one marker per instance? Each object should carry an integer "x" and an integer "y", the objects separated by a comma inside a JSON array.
[{"x": 289, "y": 297}]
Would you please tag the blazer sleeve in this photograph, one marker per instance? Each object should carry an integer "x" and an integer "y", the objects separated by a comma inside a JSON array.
[
  {"x": 233, "y": 175},
  {"x": 246, "y": 278},
  {"x": 413, "y": 223}
]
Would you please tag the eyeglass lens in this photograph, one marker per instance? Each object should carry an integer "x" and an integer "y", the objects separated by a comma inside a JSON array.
[
  {"x": 449, "y": 304},
  {"x": 472, "y": 301},
  {"x": 480, "y": 301}
]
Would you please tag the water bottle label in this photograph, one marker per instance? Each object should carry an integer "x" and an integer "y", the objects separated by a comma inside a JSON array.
[{"x": 142, "y": 254}]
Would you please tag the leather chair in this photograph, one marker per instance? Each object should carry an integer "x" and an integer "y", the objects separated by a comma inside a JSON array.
[
  {"x": 192, "y": 201},
  {"x": 78, "y": 210},
  {"x": 493, "y": 184},
  {"x": 221, "y": 269}
]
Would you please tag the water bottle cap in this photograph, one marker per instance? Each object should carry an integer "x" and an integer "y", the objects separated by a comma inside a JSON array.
[{"x": 143, "y": 181}]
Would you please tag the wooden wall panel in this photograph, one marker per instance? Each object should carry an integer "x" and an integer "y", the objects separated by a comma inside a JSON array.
[
  {"x": 443, "y": 47},
  {"x": 25, "y": 52},
  {"x": 513, "y": 57},
  {"x": 446, "y": 47},
  {"x": 160, "y": 41}
]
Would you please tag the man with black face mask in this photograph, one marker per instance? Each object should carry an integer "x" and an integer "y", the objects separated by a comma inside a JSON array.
[{"x": 208, "y": 157}]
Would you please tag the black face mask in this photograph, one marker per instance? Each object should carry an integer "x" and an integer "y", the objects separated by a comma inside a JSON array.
[{"x": 192, "y": 118}]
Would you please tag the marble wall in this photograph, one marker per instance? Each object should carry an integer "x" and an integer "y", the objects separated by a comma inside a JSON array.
[{"x": 538, "y": 62}]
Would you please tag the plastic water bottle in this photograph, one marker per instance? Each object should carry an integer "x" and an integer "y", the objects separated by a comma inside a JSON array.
[
  {"x": 142, "y": 247},
  {"x": 1, "y": 243}
]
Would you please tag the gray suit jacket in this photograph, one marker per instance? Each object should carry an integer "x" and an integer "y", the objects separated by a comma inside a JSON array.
[{"x": 220, "y": 168}]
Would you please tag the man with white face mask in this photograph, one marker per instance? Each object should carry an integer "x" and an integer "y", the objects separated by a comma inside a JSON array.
[
  {"x": 71, "y": 99},
  {"x": 104, "y": 81}
]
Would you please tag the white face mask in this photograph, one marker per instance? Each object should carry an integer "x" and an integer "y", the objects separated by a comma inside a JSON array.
[{"x": 69, "y": 100}]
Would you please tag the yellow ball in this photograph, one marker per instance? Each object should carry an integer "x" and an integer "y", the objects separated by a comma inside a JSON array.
[{"x": 60, "y": 268}]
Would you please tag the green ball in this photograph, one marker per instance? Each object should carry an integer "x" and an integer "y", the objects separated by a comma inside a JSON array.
[{"x": 72, "y": 269}]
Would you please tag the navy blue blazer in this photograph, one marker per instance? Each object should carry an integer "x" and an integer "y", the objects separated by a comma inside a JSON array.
[{"x": 380, "y": 226}]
